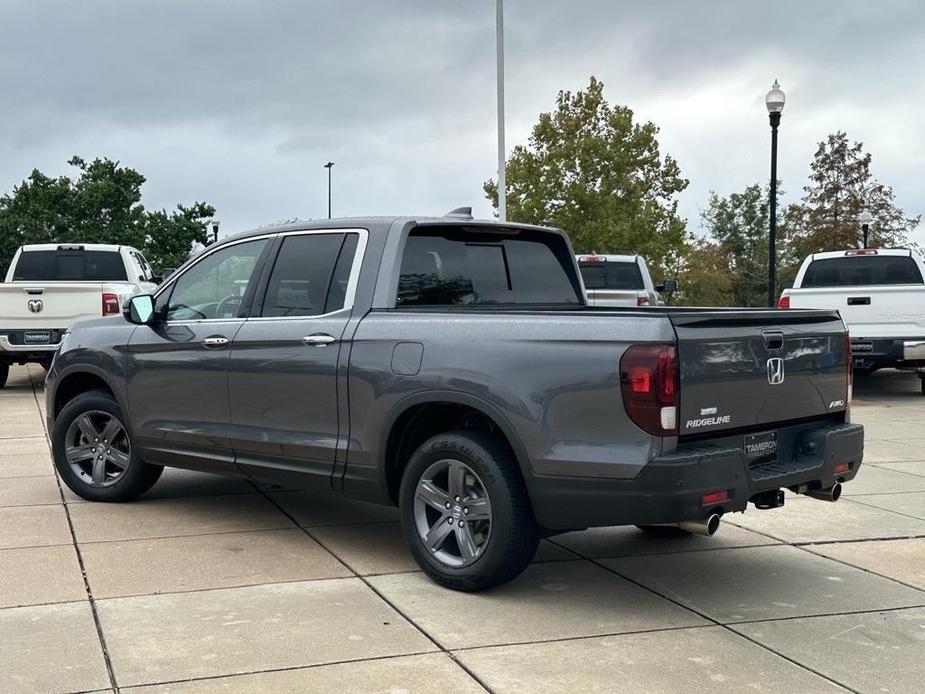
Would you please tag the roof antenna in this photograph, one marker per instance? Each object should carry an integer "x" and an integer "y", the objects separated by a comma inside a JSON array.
[{"x": 460, "y": 212}]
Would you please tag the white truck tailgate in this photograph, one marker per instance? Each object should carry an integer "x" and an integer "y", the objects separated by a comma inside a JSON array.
[
  {"x": 49, "y": 304},
  {"x": 876, "y": 311}
]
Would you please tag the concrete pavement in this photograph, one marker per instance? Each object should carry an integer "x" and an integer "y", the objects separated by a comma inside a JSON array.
[{"x": 209, "y": 584}]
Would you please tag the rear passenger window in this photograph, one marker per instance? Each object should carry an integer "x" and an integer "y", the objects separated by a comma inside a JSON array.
[
  {"x": 451, "y": 266},
  {"x": 310, "y": 275}
]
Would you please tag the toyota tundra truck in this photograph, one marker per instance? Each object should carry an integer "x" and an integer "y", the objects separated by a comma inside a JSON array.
[
  {"x": 49, "y": 287},
  {"x": 453, "y": 367},
  {"x": 880, "y": 293}
]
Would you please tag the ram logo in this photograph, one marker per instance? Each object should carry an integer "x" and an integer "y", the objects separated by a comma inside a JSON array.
[
  {"x": 35, "y": 305},
  {"x": 775, "y": 371}
]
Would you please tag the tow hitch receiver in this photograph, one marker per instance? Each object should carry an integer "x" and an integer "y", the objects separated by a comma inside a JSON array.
[{"x": 773, "y": 498}]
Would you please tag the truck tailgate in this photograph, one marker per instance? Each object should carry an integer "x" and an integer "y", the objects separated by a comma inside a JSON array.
[
  {"x": 49, "y": 304},
  {"x": 754, "y": 369},
  {"x": 873, "y": 311}
]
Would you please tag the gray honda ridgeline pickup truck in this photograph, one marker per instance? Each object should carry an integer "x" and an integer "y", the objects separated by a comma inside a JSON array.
[{"x": 452, "y": 367}]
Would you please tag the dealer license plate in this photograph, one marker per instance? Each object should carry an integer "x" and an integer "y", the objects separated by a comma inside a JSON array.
[
  {"x": 861, "y": 347},
  {"x": 762, "y": 445},
  {"x": 36, "y": 337}
]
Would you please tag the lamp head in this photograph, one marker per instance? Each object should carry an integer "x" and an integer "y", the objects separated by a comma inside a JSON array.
[{"x": 775, "y": 99}]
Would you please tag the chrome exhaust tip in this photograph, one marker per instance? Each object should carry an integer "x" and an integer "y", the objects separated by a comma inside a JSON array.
[
  {"x": 708, "y": 526},
  {"x": 831, "y": 494}
]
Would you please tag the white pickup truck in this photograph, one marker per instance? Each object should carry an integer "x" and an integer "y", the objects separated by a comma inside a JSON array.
[
  {"x": 49, "y": 287},
  {"x": 880, "y": 294},
  {"x": 620, "y": 280}
]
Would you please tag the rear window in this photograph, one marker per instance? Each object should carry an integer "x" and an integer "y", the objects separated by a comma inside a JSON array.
[
  {"x": 862, "y": 270},
  {"x": 51, "y": 266},
  {"x": 451, "y": 266},
  {"x": 611, "y": 275}
]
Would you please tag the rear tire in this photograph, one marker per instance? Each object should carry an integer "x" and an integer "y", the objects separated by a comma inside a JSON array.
[
  {"x": 465, "y": 512},
  {"x": 4, "y": 374},
  {"x": 94, "y": 450}
]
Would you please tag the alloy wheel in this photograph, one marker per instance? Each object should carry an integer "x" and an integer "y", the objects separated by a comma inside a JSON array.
[
  {"x": 452, "y": 513},
  {"x": 97, "y": 448}
]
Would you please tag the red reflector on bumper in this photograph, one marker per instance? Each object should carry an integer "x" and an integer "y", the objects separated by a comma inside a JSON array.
[
  {"x": 840, "y": 468},
  {"x": 715, "y": 497}
]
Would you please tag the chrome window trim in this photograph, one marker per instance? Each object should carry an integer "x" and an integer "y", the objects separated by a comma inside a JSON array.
[{"x": 352, "y": 281}]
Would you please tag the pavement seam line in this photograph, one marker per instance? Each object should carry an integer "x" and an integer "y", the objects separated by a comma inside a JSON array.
[
  {"x": 860, "y": 568},
  {"x": 388, "y": 602},
  {"x": 80, "y": 561},
  {"x": 718, "y": 623},
  {"x": 313, "y": 666}
]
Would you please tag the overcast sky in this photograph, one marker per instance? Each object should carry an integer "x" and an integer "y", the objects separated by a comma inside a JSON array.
[{"x": 241, "y": 103}]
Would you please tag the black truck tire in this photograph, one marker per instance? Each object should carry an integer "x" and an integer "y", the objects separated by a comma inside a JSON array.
[
  {"x": 94, "y": 451},
  {"x": 465, "y": 512}
]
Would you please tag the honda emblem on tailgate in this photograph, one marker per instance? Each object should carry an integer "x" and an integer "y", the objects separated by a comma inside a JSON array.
[
  {"x": 35, "y": 305},
  {"x": 775, "y": 371}
]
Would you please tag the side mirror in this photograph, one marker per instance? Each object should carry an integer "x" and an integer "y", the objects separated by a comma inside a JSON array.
[
  {"x": 667, "y": 287},
  {"x": 140, "y": 309}
]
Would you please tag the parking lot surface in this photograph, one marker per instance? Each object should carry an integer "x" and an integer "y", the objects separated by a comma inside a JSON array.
[{"x": 210, "y": 584}]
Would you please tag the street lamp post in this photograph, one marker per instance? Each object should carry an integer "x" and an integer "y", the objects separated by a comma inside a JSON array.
[
  {"x": 499, "y": 55},
  {"x": 865, "y": 219},
  {"x": 775, "y": 103},
  {"x": 214, "y": 224},
  {"x": 329, "y": 166}
]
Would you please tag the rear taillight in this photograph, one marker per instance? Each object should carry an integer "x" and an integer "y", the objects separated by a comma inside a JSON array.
[
  {"x": 649, "y": 381},
  {"x": 110, "y": 303},
  {"x": 849, "y": 369},
  {"x": 642, "y": 301},
  {"x": 784, "y": 301}
]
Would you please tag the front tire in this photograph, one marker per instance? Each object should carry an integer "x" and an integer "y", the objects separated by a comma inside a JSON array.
[
  {"x": 94, "y": 451},
  {"x": 465, "y": 512},
  {"x": 4, "y": 374}
]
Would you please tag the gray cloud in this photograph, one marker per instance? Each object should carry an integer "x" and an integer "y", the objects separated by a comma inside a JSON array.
[{"x": 240, "y": 103}]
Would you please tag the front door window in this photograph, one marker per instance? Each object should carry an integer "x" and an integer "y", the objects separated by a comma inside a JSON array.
[{"x": 214, "y": 288}]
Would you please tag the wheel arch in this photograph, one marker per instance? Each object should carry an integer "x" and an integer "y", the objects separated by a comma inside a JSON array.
[
  {"x": 422, "y": 415},
  {"x": 79, "y": 380}
]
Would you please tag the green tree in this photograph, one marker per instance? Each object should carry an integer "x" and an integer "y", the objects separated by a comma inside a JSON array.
[
  {"x": 738, "y": 225},
  {"x": 593, "y": 171},
  {"x": 840, "y": 187},
  {"x": 703, "y": 276},
  {"x": 101, "y": 205}
]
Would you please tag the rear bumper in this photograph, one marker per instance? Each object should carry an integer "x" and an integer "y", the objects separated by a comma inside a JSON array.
[
  {"x": 888, "y": 351},
  {"x": 12, "y": 352},
  {"x": 670, "y": 488}
]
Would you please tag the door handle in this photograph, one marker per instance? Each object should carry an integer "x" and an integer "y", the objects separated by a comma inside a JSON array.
[
  {"x": 319, "y": 340},
  {"x": 214, "y": 342},
  {"x": 859, "y": 301}
]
